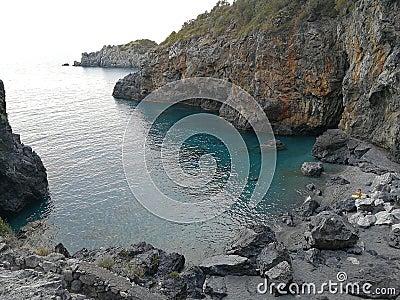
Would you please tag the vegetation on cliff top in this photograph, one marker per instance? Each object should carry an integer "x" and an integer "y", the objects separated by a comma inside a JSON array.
[
  {"x": 138, "y": 46},
  {"x": 244, "y": 17}
]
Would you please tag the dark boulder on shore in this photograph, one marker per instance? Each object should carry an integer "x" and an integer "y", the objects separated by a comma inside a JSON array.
[
  {"x": 312, "y": 169},
  {"x": 250, "y": 241},
  {"x": 23, "y": 177},
  {"x": 329, "y": 231}
]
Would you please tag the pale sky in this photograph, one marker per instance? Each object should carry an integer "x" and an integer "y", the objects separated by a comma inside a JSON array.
[{"x": 41, "y": 28}]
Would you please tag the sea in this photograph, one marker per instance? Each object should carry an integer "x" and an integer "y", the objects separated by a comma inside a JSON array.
[{"x": 70, "y": 118}]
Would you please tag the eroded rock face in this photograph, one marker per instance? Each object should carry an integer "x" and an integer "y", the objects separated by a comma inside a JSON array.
[
  {"x": 371, "y": 87},
  {"x": 295, "y": 77},
  {"x": 313, "y": 75},
  {"x": 23, "y": 177}
]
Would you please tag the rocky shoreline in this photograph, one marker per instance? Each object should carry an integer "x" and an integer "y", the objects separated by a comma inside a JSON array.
[
  {"x": 128, "y": 55},
  {"x": 316, "y": 67},
  {"x": 23, "y": 178},
  {"x": 330, "y": 234}
]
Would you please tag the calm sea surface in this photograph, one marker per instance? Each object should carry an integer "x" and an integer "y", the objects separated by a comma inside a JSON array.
[{"x": 70, "y": 119}]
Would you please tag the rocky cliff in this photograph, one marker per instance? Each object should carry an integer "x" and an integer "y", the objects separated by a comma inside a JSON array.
[
  {"x": 23, "y": 177},
  {"x": 122, "y": 56},
  {"x": 312, "y": 64}
]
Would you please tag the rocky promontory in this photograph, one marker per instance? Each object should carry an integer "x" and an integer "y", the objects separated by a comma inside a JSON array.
[
  {"x": 23, "y": 177},
  {"x": 122, "y": 56},
  {"x": 312, "y": 65}
]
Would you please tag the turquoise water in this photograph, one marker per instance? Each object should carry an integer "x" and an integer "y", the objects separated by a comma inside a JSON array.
[{"x": 71, "y": 120}]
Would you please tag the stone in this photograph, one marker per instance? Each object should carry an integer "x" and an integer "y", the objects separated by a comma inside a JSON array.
[
  {"x": 354, "y": 218},
  {"x": 174, "y": 288},
  {"x": 3, "y": 246},
  {"x": 49, "y": 266},
  {"x": 170, "y": 262},
  {"x": 396, "y": 213},
  {"x": 353, "y": 260},
  {"x": 287, "y": 218},
  {"x": 308, "y": 208},
  {"x": 67, "y": 275},
  {"x": 33, "y": 261},
  {"x": 378, "y": 195},
  {"x": 385, "y": 179},
  {"x": 388, "y": 207},
  {"x": 366, "y": 221},
  {"x": 311, "y": 187},
  {"x": 194, "y": 279},
  {"x": 330, "y": 231},
  {"x": 250, "y": 241},
  {"x": 366, "y": 204},
  {"x": 346, "y": 205},
  {"x": 76, "y": 286},
  {"x": 395, "y": 226},
  {"x": 394, "y": 238},
  {"x": 222, "y": 265},
  {"x": 314, "y": 257},
  {"x": 55, "y": 257},
  {"x": 318, "y": 192},
  {"x": 215, "y": 287},
  {"x": 384, "y": 218},
  {"x": 312, "y": 169},
  {"x": 337, "y": 181},
  {"x": 62, "y": 250},
  {"x": 281, "y": 273},
  {"x": 272, "y": 255}
]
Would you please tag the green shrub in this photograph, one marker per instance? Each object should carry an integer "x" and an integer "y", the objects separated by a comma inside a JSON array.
[
  {"x": 4, "y": 227},
  {"x": 106, "y": 262},
  {"x": 174, "y": 275},
  {"x": 43, "y": 251},
  {"x": 139, "y": 273}
]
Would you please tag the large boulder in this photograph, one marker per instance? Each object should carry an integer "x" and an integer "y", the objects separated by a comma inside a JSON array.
[
  {"x": 271, "y": 256},
  {"x": 312, "y": 169},
  {"x": 250, "y": 241},
  {"x": 327, "y": 230},
  {"x": 222, "y": 265}
]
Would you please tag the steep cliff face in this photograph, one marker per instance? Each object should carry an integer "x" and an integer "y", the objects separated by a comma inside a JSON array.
[
  {"x": 23, "y": 177},
  {"x": 309, "y": 69},
  {"x": 371, "y": 87},
  {"x": 122, "y": 56}
]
